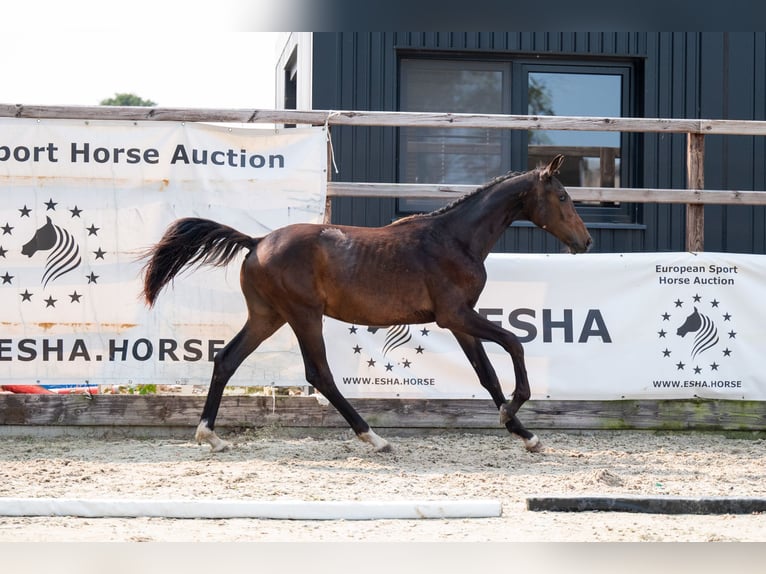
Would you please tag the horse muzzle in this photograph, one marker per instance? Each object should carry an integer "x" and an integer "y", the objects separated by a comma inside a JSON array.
[{"x": 580, "y": 246}]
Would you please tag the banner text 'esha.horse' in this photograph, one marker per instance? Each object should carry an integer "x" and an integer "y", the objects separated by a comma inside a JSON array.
[{"x": 420, "y": 269}]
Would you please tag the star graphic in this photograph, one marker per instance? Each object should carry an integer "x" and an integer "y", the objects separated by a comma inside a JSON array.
[
  {"x": 714, "y": 366},
  {"x": 406, "y": 364},
  {"x": 75, "y": 297},
  {"x": 662, "y": 333},
  {"x": 50, "y": 205},
  {"x": 76, "y": 211},
  {"x": 666, "y": 353},
  {"x": 26, "y": 296},
  {"x": 100, "y": 253},
  {"x": 697, "y": 370},
  {"x": 3, "y": 252},
  {"x": 732, "y": 335},
  {"x": 25, "y": 211},
  {"x": 92, "y": 278},
  {"x": 697, "y": 298},
  {"x": 352, "y": 329},
  {"x": 714, "y": 303},
  {"x": 357, "y": 349},
  {"x": 680, "y": 366},
  {"x": 679, "y": 303},
  {"x": 389, "y": 367},
  {"x": 424, "y": 332},
  {"x": 6, "y": 229},
  {"x": 666, "y": 317},
  {"x": 92, "y": 230},
  {"x": 7, "y": 278},
  {"x": 419, "y": 350},
  {"x": 727, "y": 352},
  {"x": 371, "y": 363},
  {"x": 50, "y": 302},
  {"x": 726, "y": 317}
]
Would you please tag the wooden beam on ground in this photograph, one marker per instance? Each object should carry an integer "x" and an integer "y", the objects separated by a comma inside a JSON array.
[
  {"x": 173, "y": 411},
  {"x": 648, "y": 504},
  {"x": 256, "y": 509}
]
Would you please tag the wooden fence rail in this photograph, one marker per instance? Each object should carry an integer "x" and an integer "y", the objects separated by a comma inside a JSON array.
[
  {"x": 113, "y": 411},
  {"x": 390, "y": 119},
  {"x": 694, "y": 197}
]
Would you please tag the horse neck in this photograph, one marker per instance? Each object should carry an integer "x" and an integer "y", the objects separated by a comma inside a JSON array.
[{"x": 480, "y": 220}]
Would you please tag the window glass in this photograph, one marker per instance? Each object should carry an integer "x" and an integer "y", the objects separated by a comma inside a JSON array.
[
  {"x": 474, "y": 156},
  {"x": 456, "y": 155},
  {"x": 593, "y": 158}
]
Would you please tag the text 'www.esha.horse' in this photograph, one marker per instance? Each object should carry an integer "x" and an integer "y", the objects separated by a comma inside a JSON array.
[{"x": 420, "y": 269}]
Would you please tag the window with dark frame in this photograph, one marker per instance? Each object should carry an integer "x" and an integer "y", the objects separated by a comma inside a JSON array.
[{"x": 518, "y": 86}]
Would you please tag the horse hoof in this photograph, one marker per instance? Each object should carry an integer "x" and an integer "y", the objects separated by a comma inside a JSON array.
[
  {"x": 378, "y": 444},
  {"x": 221, "y": 446},
  {"x": 533, "y": 444}
]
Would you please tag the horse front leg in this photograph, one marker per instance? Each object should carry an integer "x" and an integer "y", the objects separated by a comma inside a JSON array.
[{"x": 477, "y": 356}]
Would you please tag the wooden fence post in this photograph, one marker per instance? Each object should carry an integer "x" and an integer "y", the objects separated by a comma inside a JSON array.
[
  {"x": 328, "y": 199},
  {"x": 695, "y": 179}
]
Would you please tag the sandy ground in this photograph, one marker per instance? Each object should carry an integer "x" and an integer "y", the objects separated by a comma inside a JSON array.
[{"x": 265, "y": 466}]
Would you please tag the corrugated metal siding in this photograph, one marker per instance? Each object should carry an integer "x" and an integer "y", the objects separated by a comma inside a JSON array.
[{"x": 679, "y": 75}]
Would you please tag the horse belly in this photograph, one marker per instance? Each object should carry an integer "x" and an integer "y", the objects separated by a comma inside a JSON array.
[{"x": 378, "y": 302}]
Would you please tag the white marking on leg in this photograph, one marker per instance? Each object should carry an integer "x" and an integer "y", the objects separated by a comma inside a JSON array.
[
  {"x": 504, "y": 415},
  {"x": 533, "y": 444},
  {"x": 378, "y": 443},
  {"x": 204, "y": 434}
]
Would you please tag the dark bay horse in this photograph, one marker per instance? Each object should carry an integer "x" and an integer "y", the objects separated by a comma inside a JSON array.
[{"x": 420, "y": 269}]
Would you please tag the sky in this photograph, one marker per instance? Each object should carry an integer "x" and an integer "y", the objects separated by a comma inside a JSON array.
[{"x": 197, "y": 68}]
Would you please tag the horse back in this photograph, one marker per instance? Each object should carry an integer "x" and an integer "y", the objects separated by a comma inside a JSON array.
[{"x": 361, "y": 275}]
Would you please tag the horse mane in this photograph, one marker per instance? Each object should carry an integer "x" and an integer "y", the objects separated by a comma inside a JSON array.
[{"x": 463, "y": 198}]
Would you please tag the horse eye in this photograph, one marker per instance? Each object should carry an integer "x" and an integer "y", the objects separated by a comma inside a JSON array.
[{"x": 563, "y": 197}]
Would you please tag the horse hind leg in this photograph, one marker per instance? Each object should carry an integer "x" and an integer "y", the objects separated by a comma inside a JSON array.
[
  {"x": 225, "y": 364},
  {"x": 318, "y": 374}
]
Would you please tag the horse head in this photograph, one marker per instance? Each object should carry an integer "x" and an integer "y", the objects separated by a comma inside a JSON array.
[
  {"x": 549, "y": 206},
  {"x": 43, "y": 239},
  {"x": 693, "y": 323}
]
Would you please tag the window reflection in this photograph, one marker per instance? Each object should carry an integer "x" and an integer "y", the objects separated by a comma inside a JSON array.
[
  {"x": 473, "y": 156},
  {"x": 593, "y": 158},
  {"x": 456, "y": 155}
]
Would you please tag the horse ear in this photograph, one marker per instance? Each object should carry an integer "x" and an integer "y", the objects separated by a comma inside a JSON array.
[{"x": 552, "y": 168}]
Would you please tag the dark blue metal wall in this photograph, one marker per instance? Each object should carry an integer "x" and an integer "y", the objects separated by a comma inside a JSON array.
[{"x": 678, "y": 75}]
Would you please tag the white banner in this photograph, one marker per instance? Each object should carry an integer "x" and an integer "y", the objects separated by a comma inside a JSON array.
[
  {"x": 79, "y": 201},
  {"x": 593, "y": 326}
]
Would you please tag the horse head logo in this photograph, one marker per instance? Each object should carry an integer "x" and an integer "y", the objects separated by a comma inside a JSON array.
[
  {"x": 65, "y": 254},
  {"x": 707, "y": 333}
]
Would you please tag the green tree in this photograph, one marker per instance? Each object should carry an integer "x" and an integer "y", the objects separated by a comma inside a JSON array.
[
  {"x": 539, "y": 104},
  {"x": 126, "y": 100}
]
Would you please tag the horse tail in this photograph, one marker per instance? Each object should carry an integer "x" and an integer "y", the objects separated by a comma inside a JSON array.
[{"x": 187, "y": 242}]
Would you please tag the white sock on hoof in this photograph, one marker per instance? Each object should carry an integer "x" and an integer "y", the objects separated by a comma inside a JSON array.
[
  {"x": 532, "y": 444},
  {"x": 204, "y": 434},
  {"x": 379, "y": 444}
]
